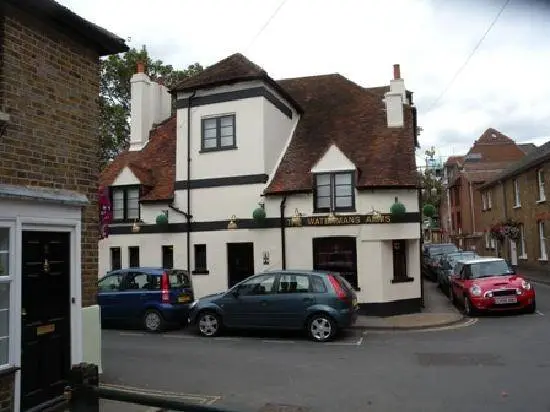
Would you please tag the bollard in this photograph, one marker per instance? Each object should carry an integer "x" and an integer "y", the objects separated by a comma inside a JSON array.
[{"x": 84, "y": 380}]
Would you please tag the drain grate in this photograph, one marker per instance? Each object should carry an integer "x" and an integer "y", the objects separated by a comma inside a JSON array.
[{"x": 279, "y": 407}]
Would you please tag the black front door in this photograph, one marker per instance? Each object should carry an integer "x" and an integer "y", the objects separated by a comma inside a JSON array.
[
  {"x": 45, "y": 320},
  {"x": 240, "y": 262},
  {"x": 337, "y": 254}
]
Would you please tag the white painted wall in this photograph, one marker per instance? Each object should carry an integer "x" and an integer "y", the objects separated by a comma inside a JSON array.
[
  {"x": 333, "y": 160},
  {"x": 126, "y": 177}
]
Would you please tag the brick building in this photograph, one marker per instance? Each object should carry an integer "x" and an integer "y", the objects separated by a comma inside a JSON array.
[
  {"x": 519, "y": 194},
  {"x": 49, "y": 84},
  {"x": 461, "y": 207}
]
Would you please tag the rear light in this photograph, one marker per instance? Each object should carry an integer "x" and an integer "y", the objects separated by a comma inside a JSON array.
[
  {"x": 165, "y": 288},
  {"x": 340, "y": 293}
]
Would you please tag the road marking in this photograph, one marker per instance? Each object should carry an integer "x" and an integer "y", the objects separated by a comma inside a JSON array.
[
  {"x": 179, "y": 336},
  {"x": 469, "y": 322},
  {"x": 538, "y": 312},
  {"x": 131, "y": 334}
]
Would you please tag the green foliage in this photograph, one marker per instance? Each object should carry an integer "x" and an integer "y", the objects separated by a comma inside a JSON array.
[
  {"x": 428, "y": 182},
  {"x": 398, "y": 209},
  {"x": 162, "y": 219},
  {"x": 429, "y": 210},
  {"x": 258, "y": 214},
  {"x": 114, "y": 99}
]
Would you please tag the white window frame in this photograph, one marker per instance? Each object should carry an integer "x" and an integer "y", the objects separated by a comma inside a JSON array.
[
  {"x": 493, "y": 243},
  {"x": 489, "y": 199},
  {"x": 10, "y": 280},
  {"x": 483, "y": 201},
  {"x": 542, "y": 242},
  {"x": 487, "y": 240},
  {"x": 522, "y": 242},
  {"x": 517, "y": 200},
  {"x": 540, "y": 185}
]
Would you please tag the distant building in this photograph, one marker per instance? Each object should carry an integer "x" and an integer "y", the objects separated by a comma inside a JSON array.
[
  {"x": 521, "y": 193},
  {"x": 490, "y": 154}
]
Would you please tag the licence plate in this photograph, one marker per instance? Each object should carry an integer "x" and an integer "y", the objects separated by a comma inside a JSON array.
[
  {"x": 502, "y": 300},
  {"x": 184, "y": 299}
]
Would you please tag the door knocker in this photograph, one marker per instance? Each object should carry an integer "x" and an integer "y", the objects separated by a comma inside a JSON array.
[{"x": 46, "y": 266}]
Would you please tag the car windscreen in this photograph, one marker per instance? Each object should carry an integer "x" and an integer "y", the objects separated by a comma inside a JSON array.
[
  {"x": 491, "y": 268},
  {"x": 179, "y": 279}
]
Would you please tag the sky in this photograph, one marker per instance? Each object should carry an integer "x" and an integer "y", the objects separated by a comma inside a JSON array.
[{"x": 504, "y": 84}]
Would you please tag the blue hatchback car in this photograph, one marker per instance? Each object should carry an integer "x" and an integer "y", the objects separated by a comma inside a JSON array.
[
  {"x": 321, "y": 303},
  {"x": 152, "y": 297}
]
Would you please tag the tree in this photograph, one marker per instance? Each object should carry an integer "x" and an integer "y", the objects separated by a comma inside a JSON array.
[
  {"x": 430, "y": 181},
  {"x": 114, "y": 99}
]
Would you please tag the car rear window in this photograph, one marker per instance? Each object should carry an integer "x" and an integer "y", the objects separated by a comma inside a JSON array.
[{"x": 179, "y": 279}]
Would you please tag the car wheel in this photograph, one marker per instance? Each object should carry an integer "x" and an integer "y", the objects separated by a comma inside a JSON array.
[
  {"x": 153, "y": 321},
  {"x": 532, "y": 308},
  {"x": 321, "y": 327},
  {"x": 468, "y": 308},
  {"x": 209, "y": 323}
]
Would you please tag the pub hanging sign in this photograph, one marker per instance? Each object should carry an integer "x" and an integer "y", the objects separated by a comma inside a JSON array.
[{"x": 341, "y": 220}]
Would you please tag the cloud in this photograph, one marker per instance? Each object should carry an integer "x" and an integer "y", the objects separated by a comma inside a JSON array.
[{"x": 503, "y": 86}]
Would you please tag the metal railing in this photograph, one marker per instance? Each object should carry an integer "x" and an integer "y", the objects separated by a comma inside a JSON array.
[{"x": 84, "y": 393}]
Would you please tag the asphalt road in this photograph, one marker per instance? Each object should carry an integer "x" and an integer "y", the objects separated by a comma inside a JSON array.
[{"x": 500, "y": 363}]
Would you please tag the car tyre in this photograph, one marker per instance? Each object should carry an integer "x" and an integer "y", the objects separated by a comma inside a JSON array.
[
  {"x": 321, "y": 327},
  {"x": 469, "y": 310},
  {"x": 532, "y": 308},
  {"x": 209, "y": 323},
  {"x": 153, "y": 321}
]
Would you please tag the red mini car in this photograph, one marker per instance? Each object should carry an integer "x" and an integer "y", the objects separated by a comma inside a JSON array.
[{"x": 489, "y": 284}]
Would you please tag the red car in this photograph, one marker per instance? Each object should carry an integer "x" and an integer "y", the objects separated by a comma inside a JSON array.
[{"x": 489, "y": 284}]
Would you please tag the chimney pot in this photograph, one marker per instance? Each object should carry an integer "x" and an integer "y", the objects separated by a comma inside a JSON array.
[
  {"x": 140, "y": 67},
  {"x": 396, "y": 71}
]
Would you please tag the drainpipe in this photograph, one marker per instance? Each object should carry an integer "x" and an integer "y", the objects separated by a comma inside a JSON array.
[
  {"x": 418, "y": 198},
  {"x": 188, "y": 183},
  {"x": 472, "y": 208},
  {"x": 283, "y": 234}
]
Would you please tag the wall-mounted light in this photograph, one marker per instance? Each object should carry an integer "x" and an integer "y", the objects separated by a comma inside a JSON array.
[
  {"x": 232, "y": 223},
  {"x": 297, "y": 218},
  {"x": 135, "y": 227}
]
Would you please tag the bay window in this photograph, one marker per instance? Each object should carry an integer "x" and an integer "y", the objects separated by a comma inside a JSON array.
[{"x": 334, "y": 192}]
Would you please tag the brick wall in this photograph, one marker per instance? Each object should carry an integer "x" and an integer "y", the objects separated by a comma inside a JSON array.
[
  {"x": 6, "y": 392},
  {"x": 49, "y": 85},
  {"x": 503, "y": 207}
]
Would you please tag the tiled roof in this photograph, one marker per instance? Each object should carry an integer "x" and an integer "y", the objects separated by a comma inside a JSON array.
[
  {"x": 104, "y": 41},
  {"x": 494, "y": 146},
  {"x": 154, "y": 165},
  {"x": 527, "y": 147},
  {"x": 454, "y": 160},
  {"x": 233, "y": 69},
  {"x": 533, "y": 159},
  {"x": 337, "y": 111}
]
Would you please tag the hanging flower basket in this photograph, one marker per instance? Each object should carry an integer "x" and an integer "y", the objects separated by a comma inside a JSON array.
[
  {"x": 512, "y": 230},
  {"x": 258, "y": 215},
  {"x": 398, "y": 209},
  {"x": 162, "y": 219},
  {"x": 497, "y": 232},
  {"x": 429, "y": 210}
]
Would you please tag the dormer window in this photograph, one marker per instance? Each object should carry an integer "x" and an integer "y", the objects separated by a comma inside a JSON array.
[
  {"x": 334, "y": 192},
  {"x": 218, "y": 133},
  {"x": 125, "y": 203}
]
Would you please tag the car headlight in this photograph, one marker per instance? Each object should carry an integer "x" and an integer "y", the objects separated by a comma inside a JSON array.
[
  {"x": 525, "y": 285},
  {"x": 475, "y": 290}
]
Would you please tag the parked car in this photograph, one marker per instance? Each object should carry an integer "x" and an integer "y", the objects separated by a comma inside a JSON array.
[
  {"x": 321, "y": 303},
  {"x": 446, "y": 265},
  {"x": 430, "y": 261},
  {"x": 151, "y": 297},
  {"x": 490, "y": 284}
]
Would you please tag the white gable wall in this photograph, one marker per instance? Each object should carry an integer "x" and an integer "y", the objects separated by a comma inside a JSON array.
[
  {"x": 126, "y": 177},
  {"x": 333, "y": 160}
]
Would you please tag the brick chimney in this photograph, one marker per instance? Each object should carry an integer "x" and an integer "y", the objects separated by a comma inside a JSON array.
[
  {"x": 150, "y": 103},
  {"x": 395, "y": 98}
]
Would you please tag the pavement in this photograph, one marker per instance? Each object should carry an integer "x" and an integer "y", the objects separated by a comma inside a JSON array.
[
  {"x": 537, "y": 276},
  {"x": 438, "y": 312}
]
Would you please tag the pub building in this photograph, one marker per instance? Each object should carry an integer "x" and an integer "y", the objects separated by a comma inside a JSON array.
[{"x": 252, "y": 174}]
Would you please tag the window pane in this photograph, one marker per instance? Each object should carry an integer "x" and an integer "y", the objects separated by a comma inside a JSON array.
[
  {"x": 344, "y": 201},
  {"x": 226, "y": 141},
  {"x": 133, "y": 212},
  {"x": 323, "y": 191},
  {"x": 209, "y": 143},
  {"x": 118, "y": 213},
  {"x": 227, "y": 121},
  {"x": 342, "y": 179},
  {"x": 209, "y": 133},
  {"x": 4, "y": 296},
  {"x": 323, "y": 202},
  {"x": 293, "y": 284},
  {"x": 323, "y": 179},
  {"x": 110, "y": 284},
  {"x": 118, "y": 204},
  {"x": 318, "y": 284},
  {"x": 227, "y": 131},
  {"x": 115, "y": 259},
  {"x": 4, "y": 347},
  {"x": 258, "y": 286},
  {"x": 4, "y": 252},
  {"x": 209, "y": 124},
  {"x": 342, "y": 190}
]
